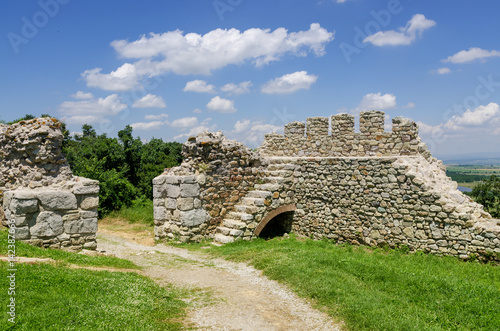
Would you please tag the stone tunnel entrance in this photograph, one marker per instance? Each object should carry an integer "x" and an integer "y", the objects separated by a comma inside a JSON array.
[{"x": 276, "y": 223}]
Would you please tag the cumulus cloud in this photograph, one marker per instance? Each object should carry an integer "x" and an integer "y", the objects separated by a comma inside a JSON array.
[
  {"x": 155, "y": 125},
  {"x": 94, "y": 110},
  {"x": 193, "y": 53},
  {"x": 220, "y": 105},
  {"x": 252, "y": 132},
  {"x": 289, "y": 83},
  {"x": 241, "y": 88},
  {"x": 156, "y": 117},
  {"x": 474, "y": 53},
  {"x": 199, "y": 86},
  {"x": 484, "y": 118},
  {"x": 403, "y": 35},
  {"x": 376, "y": 101},
  {"x": 150, "y": 101},
  {"x": 82, "y": 95},
  {"x": 195, "y": 128},
  {"x": 185, "y": 122}
]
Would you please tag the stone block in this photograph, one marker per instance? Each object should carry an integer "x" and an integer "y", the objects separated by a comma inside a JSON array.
[
  {"x": 193, "y": 217},
  {"x": 22, "y": 233},
  {"x": 48, "y": 224},
  {"x": 23, "y": 206},
  {"x": 171, "y": 203},
  {"x": 57, "y": 200},
  {"x": 88, "y": 189},
  {"x": 83, "y": 225},
  {"x": 89, "y": 202},
  {"x": 185, "y": 204},
  {"x": 159, "y": 213},
  {"x": 173, "y": 191},
  {"x": 89, "y": 213},
  {"x": 190, "y": 190}
]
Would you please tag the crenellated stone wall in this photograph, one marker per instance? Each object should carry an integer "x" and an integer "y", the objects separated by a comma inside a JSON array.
[
  {"x": 372, "y": 187},
  {"x": 312, "y": 139},
  {"x": 42, "y": 202}
]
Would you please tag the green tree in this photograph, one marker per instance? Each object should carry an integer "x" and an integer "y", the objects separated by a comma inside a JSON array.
[{"x": 487, "y": 193}]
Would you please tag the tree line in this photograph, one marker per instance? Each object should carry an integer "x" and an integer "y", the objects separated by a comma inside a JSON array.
[{"x": 124, "y": 166}]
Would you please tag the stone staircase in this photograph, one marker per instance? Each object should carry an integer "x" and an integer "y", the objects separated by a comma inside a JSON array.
[{"x": 245, "y": 216}]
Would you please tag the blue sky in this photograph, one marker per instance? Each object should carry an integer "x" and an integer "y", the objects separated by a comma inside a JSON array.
[{"x": 173, "y": 68}]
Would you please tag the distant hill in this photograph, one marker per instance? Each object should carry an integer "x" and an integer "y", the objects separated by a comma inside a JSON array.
[{"x": 492, "y": 158}]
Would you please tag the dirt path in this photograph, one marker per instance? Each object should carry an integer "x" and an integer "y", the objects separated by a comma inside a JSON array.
[{"x": 240, "y": 297}]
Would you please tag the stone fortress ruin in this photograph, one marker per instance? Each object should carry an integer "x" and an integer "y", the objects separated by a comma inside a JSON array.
[
  {"x": 372, "y": 187},
  {"x": 42, "y": 202}
]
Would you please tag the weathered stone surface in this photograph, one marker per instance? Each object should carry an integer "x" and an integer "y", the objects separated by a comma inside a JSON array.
[
  {"x": 185, "y": 204},
  {"x": 190, "y": 190},
  {"x": 89, "y": 189},
  {"x": 82, "y": 225},
  {"x": 90, "y": 202},
  {"x": 19, "y": 206},
  {"x": 57, "y": 200},
  {"x": 173, "y": 191},
  {"x": 193, "y": 217},
  {"x": 159, "y": 213},
  {"x": 48, "y": 224}
]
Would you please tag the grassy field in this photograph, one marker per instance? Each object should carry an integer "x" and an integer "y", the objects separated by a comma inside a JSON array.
[
  {"x": 380, "y": 290},
  {"x": 56, "y": 296},
  {"x": 470, "y": 175}
]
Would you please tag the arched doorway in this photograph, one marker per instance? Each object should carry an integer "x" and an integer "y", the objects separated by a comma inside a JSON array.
[{"x": 276, "y": 223}]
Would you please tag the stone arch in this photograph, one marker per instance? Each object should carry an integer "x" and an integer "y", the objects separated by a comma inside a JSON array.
[{"x": 272, "y": 214}]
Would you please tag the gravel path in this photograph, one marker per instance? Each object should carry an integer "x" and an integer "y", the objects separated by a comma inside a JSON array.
[{"x": 241, "y": 298}]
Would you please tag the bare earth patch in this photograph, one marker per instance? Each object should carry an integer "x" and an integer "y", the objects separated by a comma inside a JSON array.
[{"x": 235, "y": 296}]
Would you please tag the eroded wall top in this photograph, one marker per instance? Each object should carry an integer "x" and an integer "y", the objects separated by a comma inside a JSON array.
[
  {"x": 313, "y": 138},
  {"x": 30, "y": 154}
]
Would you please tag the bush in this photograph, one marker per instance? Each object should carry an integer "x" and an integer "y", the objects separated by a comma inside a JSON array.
[{"x": 487, "y": 193}]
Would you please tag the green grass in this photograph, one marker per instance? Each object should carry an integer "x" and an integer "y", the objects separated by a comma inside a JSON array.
[
  {"x": 141, "y": 211},
  {"x": 26, "y": 250},
  {"x": 380, "y": 290},
  {"x": 52, "y": 297}
]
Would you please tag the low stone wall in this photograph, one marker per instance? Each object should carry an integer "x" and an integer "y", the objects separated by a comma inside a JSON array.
[
  {"x": 40, "y": 200},
  {"x": 57, "y": 217}
]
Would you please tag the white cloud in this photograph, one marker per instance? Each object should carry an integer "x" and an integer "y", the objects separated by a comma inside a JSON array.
[
  {"x": 474, "y": 53},
  {"x": 252, "y": 133},
  {"x": 483, "y": 119},
  {"x": 443, "y": 71},
  {"x": 155, "y": 125},
  {"x": 150, "y": 101},
  {"x": 221, "y": 105},
  {"x": 241, "y": 126},
  {"x": 185, "y": 122},
  {"x": 476, "y": 117},
  {"x": 199, "y": 86},
  {"x": 241, "y": 88},
  {"x": 199, "y": 127},
  {"x": 82, "y": 96},
  {"x": 403, "y": 35},
  {"x": 124, "y": 78},
  {"x": 376, "y": 101},
  {"x": 156, "y": 117},
  {"x": 193, "y": 53},
  {"x": 409, "y": 105},
  {"x": 289, "y": 83},
  {"x": 197, "y": 111},
  {"x": 95, "y": 110}
]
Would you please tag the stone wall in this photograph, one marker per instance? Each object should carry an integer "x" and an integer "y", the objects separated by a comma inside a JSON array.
[
  {"x": 42, "y": 202},
  {"x": 372, "y": 187},
  {"x": 312, "y": 139}
]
